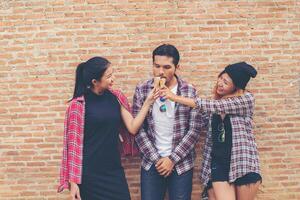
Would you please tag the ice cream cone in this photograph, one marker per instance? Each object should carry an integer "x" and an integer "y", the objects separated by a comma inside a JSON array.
[
  {"x": 156, "y": 82},
  {"x": 162, "y": 82}
]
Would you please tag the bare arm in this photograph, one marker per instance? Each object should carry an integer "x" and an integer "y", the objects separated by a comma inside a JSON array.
[
  {"x": 133, "y": 124},
  {"x": 74, "y": 191}
]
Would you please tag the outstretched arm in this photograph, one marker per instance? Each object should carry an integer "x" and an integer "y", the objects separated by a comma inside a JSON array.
[
  {"x": 240, "y": 104},
  {"x": 133, "y": 124},
  {"x": 168, "y": 94}
]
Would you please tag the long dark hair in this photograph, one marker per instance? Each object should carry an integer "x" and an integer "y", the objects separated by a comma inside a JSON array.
[{"x": 94, "y": 68}]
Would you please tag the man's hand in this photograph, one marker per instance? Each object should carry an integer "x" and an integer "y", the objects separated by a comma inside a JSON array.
[
  {"x": 74, "y": 191},
  {"x": 164, "y": 166}
]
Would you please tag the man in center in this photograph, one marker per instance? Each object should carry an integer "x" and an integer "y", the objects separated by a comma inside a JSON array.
[{"x": 170, "y": 131}]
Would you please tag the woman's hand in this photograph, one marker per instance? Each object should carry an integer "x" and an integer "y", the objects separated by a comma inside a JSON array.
[
  {"x": 133, "y": 124},
  {"x": 166, "y": 93},
  {"x": 75, "y": 193},
  {"x": 153, "y": 95}
]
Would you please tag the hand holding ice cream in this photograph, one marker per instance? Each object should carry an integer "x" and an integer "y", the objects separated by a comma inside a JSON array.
[{"x": 159, "y": 83}]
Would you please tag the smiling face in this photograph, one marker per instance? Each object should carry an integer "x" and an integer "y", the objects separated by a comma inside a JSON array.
[
  {"x": 225, "y": 85},
  {"x": 164, "y": 67},
  {"x": 106, "y": 81}
]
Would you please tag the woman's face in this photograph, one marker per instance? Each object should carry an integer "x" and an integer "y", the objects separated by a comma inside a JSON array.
[
  {"x": 106, "y": 81},
  {"x": 225, "y": 85}
]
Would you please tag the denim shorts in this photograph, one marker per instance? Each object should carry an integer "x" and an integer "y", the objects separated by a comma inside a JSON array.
[{"x": 220, "y": 172}]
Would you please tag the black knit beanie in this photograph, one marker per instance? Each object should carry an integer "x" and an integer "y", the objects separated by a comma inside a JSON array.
[{"x": 240, "y": 73}]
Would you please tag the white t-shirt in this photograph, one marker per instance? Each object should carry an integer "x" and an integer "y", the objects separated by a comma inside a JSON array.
[{"x": 163, "y": 125}]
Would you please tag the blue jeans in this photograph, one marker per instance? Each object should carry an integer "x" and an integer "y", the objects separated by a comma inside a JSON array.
[{"x": 154, "y": 186}]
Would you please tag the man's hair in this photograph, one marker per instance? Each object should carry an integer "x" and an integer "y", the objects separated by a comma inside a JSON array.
[{"x": 167, "y": 50}]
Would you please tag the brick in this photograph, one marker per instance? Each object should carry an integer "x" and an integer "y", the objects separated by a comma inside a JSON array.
[{"x": 43, "y": 42}]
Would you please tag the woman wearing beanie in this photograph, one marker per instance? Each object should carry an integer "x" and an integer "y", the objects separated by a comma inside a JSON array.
[
  {"x": 91, "y": 165},
  {"x": 230, "y": 168}
]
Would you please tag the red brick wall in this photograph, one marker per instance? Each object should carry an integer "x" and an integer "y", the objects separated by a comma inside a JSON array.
[{"x": 43, "y": 41}]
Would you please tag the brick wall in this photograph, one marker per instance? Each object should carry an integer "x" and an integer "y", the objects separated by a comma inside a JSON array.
[{"x": 43, "y": 41}]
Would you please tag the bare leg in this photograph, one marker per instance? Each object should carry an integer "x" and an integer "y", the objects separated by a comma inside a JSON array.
[
  {"x": 224, "y": 191},
  {"x": 247, "y": 192},
  {"x": 211, "y": 194}
]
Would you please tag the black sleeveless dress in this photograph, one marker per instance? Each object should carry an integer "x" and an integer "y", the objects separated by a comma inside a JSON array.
[{"x": 103, "y": 176}]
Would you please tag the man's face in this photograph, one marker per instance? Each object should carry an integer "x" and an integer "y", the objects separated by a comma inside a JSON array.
[{"x": 163, "y": 66}]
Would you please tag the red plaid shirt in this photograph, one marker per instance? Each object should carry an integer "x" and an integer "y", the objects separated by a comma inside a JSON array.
[{"x": 71, "y": 166}]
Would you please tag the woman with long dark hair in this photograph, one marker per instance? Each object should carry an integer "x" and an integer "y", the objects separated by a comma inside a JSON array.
[
  {"x": 230, "y": 167},
  {"x": 95, "y": 123}
]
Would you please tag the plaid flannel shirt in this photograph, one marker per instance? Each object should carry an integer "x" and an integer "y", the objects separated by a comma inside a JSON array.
[
  {"x": 186, "y": 129},
  {"x": 244, "y": 154},
  {"x": 71, "y": 165}
]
